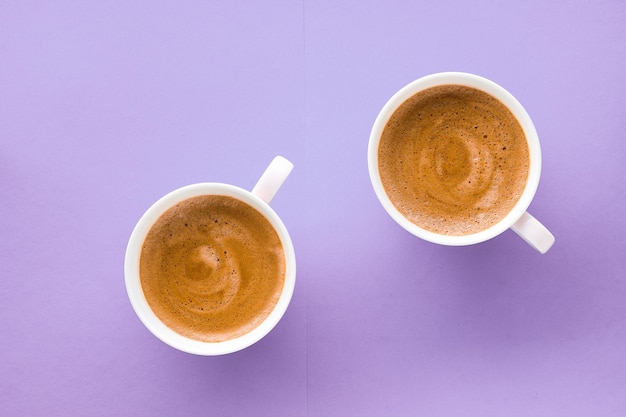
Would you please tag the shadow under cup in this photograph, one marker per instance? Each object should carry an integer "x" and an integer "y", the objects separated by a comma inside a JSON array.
[
  {"x": 133, "y": 279},
  {"x": 501, "y": 95}
]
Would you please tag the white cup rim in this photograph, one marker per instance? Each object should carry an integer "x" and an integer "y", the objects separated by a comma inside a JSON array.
[
  {"x": 495, "y": 90},
  {"x": 133, "y": 282}
]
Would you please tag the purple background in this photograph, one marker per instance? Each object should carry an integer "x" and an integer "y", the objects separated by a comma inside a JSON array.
[{"x": 107, "y": 105}]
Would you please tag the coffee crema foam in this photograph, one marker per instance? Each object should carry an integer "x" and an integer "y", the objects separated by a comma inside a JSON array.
[
  {"x": 212, "y": 268},
  {"x": 453, "y": 160}
]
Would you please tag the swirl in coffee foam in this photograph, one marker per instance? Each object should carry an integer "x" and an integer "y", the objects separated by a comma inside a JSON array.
[
  {"x": 453, "y": 160},
  {"x": 212, "y": 268}
]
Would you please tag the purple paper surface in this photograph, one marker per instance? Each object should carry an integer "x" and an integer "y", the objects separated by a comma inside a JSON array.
[{"x": 107, "y": 106}]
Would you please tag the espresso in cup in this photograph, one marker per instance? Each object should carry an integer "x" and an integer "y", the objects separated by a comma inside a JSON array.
[
  {"x": 212, "y": 268},
  {"x": 453, "y": 160}
]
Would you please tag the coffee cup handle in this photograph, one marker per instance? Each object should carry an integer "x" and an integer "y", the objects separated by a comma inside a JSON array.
[
  {"x": 272, "y": 179},
  {"x": 534, "y": 233}
]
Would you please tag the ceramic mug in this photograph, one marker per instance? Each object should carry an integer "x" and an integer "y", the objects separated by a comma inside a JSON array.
[
  {"x": 259, "y": 198},
  {"x": 517, "y": 219}
]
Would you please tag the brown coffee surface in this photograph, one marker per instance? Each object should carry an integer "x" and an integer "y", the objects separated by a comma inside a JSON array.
[
  {"x": 453, "y": 160},
  {"x": 212, "y": 268}
]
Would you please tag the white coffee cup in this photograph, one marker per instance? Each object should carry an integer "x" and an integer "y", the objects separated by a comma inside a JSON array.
[
  {"x": 518, "y": 219},
  {"x": 259, "y": 198}
]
